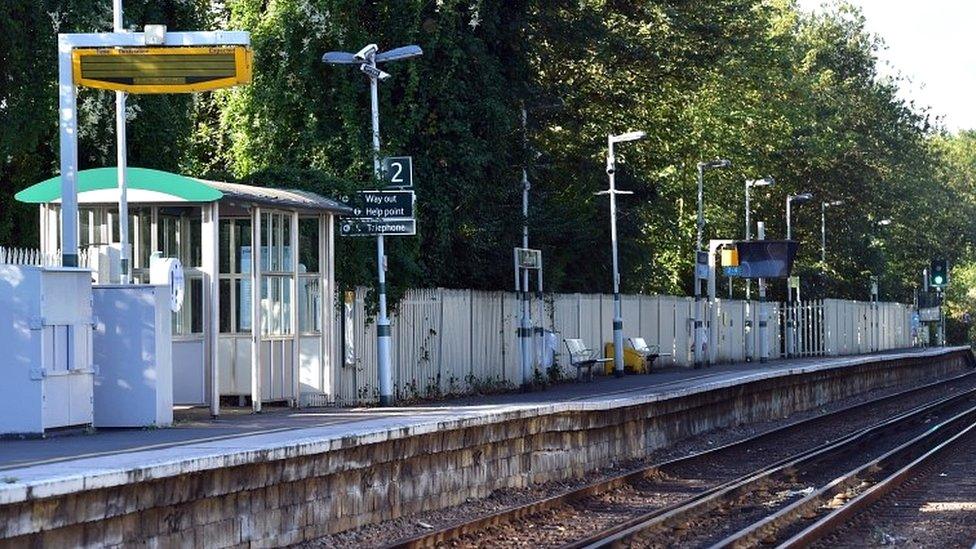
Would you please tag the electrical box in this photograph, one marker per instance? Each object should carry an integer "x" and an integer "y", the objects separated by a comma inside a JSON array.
[
  {"x": 46, "y": 337},
  {"x": 133, "y": 342}
]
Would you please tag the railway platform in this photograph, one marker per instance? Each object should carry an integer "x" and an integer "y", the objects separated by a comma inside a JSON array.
[{"x": 288, "y": 475}]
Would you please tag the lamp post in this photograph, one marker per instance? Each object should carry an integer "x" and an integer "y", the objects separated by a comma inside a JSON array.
[
  {"x": 700, "y": 334},
  {"x": 367, "y": 59},
  {"x": 527, "y": 327},
  {"x": 875, "y": 309},
  {"x": 790, "y": 320},
  {"x": 125, "y": 256},
  {"x": 618, "y": 321},
  {"x": 823, "y": 230},
  {"x": 790, "y": 200},
  {"x": 752, "y": 183},
  {"x": 749, "y": 340}
]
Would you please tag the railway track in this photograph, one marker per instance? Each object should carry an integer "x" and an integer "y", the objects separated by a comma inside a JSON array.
[{"x": 686, "y": 499}]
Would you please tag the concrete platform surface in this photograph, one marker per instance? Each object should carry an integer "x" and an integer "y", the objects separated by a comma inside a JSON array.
[{"x": 60, "y": 465}]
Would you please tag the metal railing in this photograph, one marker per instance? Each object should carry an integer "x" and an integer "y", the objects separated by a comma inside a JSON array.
[{"x": 31, "y": 256}]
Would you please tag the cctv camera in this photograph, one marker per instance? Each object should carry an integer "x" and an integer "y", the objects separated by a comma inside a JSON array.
[
  {"x": 611, "y": 165},
  {"x": 364, "y": 53},
  {"x": 373, "y": 72}
]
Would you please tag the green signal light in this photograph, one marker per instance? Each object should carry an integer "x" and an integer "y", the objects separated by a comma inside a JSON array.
[{"x": 938, "y": 279}]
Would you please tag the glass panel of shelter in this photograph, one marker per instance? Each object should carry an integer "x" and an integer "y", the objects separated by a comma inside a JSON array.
[
  {"x": 178, "y": 232},
  {"x": 309, "y": 290},
  {"x": 277, "y": 274},
  {"x": 234, "y": 262}
]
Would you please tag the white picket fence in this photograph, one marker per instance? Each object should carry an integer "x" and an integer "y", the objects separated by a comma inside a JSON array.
[
  {"x": 29, "y": 256},
  {"x": 458, "y": 341}
]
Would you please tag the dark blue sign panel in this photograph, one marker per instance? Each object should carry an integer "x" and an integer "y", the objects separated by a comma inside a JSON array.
[{"x": 766, "y": 258}]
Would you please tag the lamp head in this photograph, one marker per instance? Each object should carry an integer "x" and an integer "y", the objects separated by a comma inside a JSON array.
[
  {"x": 764, "y": 182},
  {"x": 340, "y": 58},
  {"x": 629, "y": 136},
  {"x": 396, "y": 54},
  {"x": 834, "y": 203},
  {"x": 715, "y": 164},
  {"x": 801, "y": 198}
]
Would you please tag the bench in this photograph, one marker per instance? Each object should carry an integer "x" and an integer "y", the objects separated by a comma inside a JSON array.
[
  {"x": 649, "y": 352},
  {"x": 581, "y": 357}
]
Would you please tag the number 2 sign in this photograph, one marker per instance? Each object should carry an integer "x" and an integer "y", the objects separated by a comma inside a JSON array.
[{"x": 398, "y": 171}]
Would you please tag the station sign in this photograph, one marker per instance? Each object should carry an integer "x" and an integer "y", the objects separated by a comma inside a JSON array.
[
  {"x": 163, "y": 69},
  {"x": 398, "y": 171},
  {"x": 930, "y": 314},
  {"x": 374, "y": 227},
  {"x": 701, "y": 265},
  {"x": 383, "y": 204},
  {"x": 527, "y": 258}
]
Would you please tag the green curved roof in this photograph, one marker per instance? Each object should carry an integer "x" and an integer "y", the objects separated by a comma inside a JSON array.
[{"x": 178, "y": 186}]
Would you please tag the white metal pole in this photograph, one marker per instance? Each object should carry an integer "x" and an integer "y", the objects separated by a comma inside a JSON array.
[
  {"x": 212, "y": 261},
  {"x": 763, "y": 322},
  {"x": 540, "y": 330},
  {"x": 68, "y": 126},
  {"x": 383, "y": 335},
  {"x": 121, "y": 165},
  {"x": 296, "y": 367},
  {"x": 618, "y": 321},
  {"x": 823, "y": 236},
  {"x": 525, "y": 327},
  {"x": 748, "y": 236},
  {"x": 789, "y": 290},
  {"x": 256, "y": 306},
  {"x": 749, "y": 337},
  {"x": 699, "y": 332}
]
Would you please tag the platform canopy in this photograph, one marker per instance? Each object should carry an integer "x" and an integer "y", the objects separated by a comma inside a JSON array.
[{"x": 100, "y": 186}]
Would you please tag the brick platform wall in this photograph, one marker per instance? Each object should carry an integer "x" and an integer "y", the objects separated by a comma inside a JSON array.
[{"x": 291, "y": 500}]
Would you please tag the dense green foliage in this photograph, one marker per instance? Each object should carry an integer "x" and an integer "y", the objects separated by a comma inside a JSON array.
[{"x": 780, "y": 93}]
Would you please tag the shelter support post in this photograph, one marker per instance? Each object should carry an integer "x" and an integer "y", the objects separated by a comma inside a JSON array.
[
  {"x": 327, "y": 296},
  {"x": 256, "y": 310},
  {"x": 211, "y": 262},
  {"x": 68, "y": 125},
  {"x": 295, "y": 304}
]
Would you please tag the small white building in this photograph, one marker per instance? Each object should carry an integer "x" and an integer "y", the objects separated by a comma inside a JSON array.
[{"x": 252, "y": 256}]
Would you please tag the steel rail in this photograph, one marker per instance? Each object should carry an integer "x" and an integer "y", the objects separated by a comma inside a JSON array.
[
  {"x": 876, "y": 492},
  {"x": 462, "y": 528},
  {"x": 715, "y": 497}
]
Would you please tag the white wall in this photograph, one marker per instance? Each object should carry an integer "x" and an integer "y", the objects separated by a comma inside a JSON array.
[{"x": 454, "y": 341}]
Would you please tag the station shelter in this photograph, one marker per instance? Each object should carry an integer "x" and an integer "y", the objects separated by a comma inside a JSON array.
[{"x": 227, "y": 237}]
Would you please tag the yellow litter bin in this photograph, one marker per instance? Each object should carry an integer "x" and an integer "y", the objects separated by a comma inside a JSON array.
[{"x": 634, "y": 362}]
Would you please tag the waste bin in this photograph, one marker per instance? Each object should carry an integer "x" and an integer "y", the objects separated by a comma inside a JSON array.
[{"x": 635, "y": 362}]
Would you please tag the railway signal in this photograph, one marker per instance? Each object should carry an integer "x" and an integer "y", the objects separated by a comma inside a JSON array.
[{"x": 939, "y": 273}]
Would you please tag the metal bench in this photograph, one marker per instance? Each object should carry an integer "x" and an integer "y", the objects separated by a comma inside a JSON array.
[
  {"x": 649, "y": 352},
  {"x": 583, "y": 358}
]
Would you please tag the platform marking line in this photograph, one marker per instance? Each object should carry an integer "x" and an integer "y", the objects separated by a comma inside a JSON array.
[{"x": 163, "y": 445}]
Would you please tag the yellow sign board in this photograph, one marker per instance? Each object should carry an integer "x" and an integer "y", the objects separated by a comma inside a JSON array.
[
  {"x": 162, "y": 69},
  {"x": 730, "y": 257}
]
